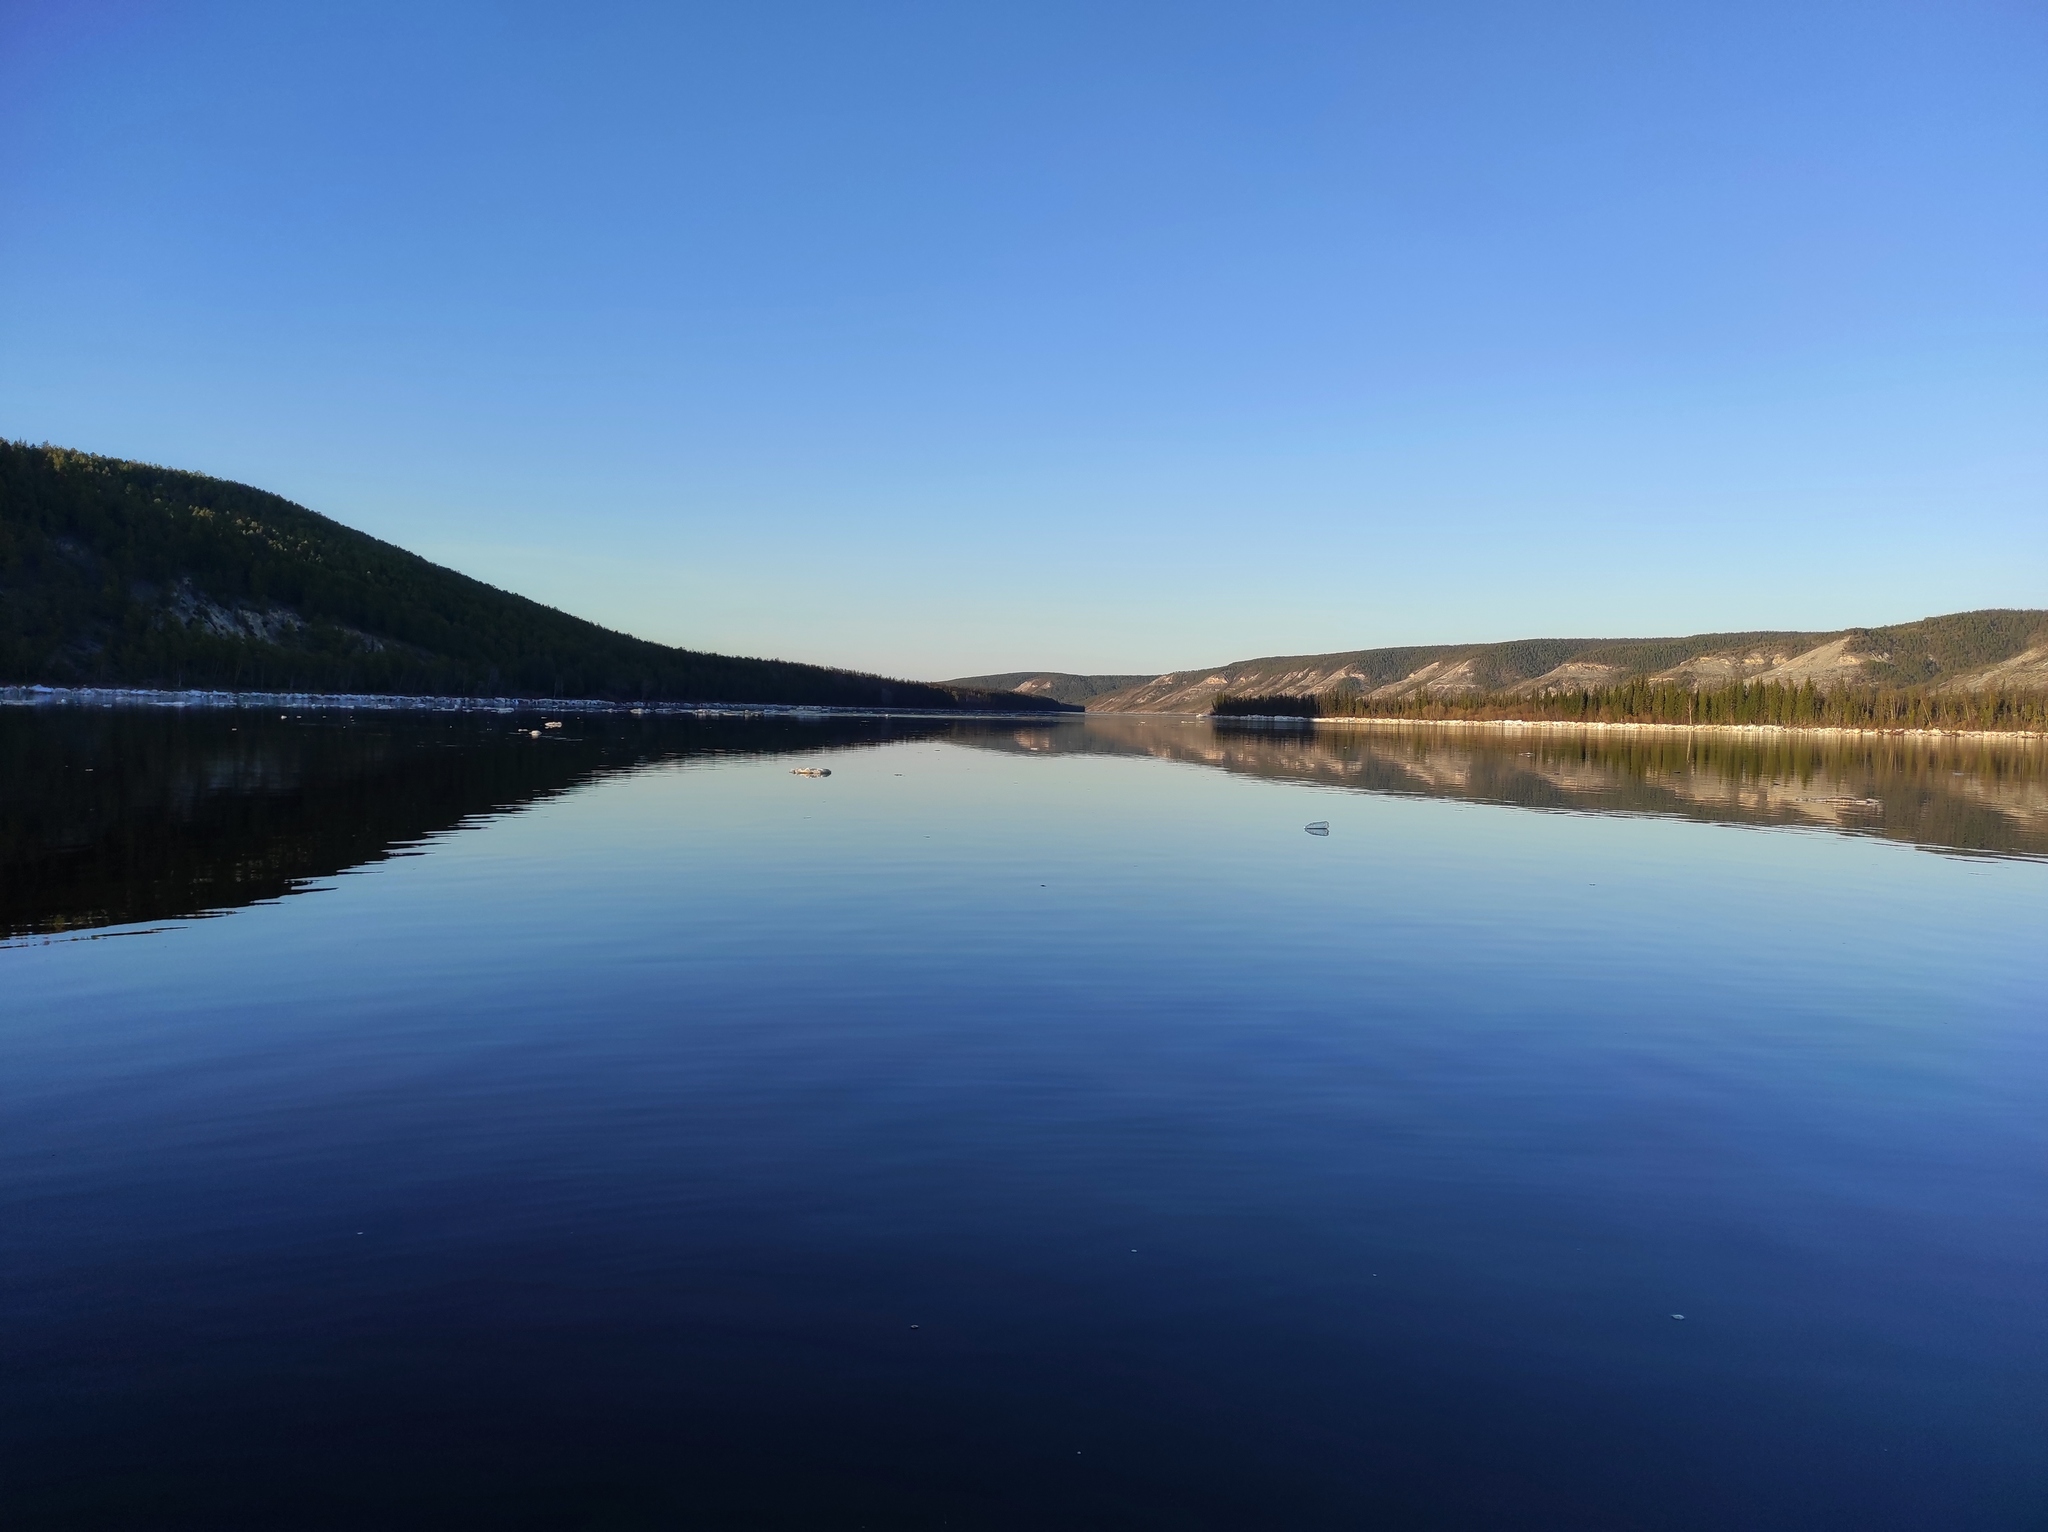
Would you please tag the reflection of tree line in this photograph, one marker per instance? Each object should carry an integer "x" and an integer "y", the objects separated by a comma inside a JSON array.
[
  {"x": 122, "y": 816},
  {"x": 1967, "y": 795},
  {"x": 116, "y": 817}
]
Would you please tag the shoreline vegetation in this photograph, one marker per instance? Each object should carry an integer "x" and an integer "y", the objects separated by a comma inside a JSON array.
[
  {"x": 1567, "y": 726},
  {"x": 1805, "y": 707},
  {"x": 203, "y": 700}
]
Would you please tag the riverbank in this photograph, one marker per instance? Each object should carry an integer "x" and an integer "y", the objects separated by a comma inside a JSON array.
[{"x": 1570, "y": 726}]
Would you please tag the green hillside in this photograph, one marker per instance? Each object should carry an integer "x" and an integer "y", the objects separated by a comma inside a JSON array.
[{"x": 122, "y": 574}]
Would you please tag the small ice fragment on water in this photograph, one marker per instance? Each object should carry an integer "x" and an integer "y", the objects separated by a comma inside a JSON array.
[
  {"x": 1320, "y": 827},
  {"x": 1678, "y": 1316}
]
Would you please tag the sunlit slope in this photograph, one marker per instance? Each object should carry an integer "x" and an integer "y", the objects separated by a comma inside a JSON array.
[
  {"x": 2006, "y": 648},
  {"x": 121, "y": 574},
  {"x": 1060, "y": 685}
]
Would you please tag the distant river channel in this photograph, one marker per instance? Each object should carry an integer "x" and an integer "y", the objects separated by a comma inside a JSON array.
[{"x": 448, "y": 1120}]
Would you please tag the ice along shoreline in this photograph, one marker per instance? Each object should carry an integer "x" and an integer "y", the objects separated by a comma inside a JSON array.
[{"x": 384, "y": 702}]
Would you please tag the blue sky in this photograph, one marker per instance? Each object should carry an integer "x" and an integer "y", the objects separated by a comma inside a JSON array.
[{"x": 942, "y": 339}]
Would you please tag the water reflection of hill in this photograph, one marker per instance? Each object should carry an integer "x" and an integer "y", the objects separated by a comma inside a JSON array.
[
  {"x": 1969, "y": 796},
  {"x": 112, "y": 817}
]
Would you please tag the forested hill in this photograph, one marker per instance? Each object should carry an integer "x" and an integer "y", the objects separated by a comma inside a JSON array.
[
  {"x": 122, "y": 574},
  {"x": 1965, "y": 651}
]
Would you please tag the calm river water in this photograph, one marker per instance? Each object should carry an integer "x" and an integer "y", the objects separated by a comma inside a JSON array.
[{"x": 413, "y": 1122}]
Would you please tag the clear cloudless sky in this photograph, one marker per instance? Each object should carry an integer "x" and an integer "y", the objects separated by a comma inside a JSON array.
[{"x": 938, "y": 339}]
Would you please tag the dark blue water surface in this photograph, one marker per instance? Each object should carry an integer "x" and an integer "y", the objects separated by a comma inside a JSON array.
[{"x": 1016, "y": 1129}]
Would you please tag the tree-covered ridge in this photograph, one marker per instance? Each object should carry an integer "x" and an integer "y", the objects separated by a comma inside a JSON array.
[
  {"x": 1805, "y": 705},
  {"x": 2000, "y": 648},
  {"x": 115, "y": 573}
]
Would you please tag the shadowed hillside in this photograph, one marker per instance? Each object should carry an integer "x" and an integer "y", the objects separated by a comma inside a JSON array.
[{"x": 121, "y": 574}]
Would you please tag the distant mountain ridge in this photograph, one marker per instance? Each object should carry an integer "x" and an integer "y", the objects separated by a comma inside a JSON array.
[
  {"x": 115, "y": 573},
  {"x": 1060, "y": 685},
  {"x": 1967, "y": 650}
]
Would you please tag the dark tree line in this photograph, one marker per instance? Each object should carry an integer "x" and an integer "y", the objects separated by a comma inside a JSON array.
[
  {"x": 1803, "y": 705},
  {"x": 122, "y": 574}
]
